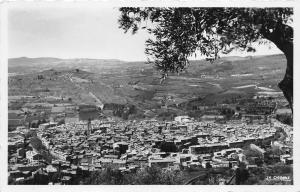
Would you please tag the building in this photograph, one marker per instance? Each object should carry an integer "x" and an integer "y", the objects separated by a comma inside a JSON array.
[
  {"x": 207, "y": 148},
  {"x": 33, "y": 156},
  {"x": 162, "y": 163},
  {"x": 183, "y": 119}
]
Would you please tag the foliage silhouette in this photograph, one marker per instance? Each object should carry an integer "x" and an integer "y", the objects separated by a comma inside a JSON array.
[{"x": 179, "y": 33}]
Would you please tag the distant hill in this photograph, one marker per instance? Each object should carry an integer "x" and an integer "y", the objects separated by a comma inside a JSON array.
[
  {"x": 28, "y": 65},
  {"x": 235, "y": 58},
  {"x": 31, "y": 61}
]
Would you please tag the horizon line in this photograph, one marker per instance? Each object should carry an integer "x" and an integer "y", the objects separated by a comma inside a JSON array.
[{"x": 74, "y": 58}]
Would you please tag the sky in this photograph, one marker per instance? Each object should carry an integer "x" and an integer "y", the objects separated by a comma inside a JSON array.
[{"x": 79, "y": 32}]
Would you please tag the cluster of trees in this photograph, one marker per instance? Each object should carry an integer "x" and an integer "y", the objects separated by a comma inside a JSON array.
[
  {"x": 37, "y": 144},
  {"x": 40, "y": 77},
  {"x": 30, "y": 134},
  {"x": 167, "y": 115},
  {"x": 285, "y": 118},
  {"x": 146, "y": 176},
  {"x": 259, "y": 175},
  {"x": 241, "y": 176},
  {"x": 168, "y": 147},
  {"x": 227, "y": 112},
  {"x": 270, "y": 157},
  {"x": 37, "y": 179},
  {"x": 112, "y": 176},
  {"x": 36, "y": 124},
  {"x": 120, "y": 110}
]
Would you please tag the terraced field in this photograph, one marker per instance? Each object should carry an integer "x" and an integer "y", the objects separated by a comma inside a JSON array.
[{"x": 98, "y": 81}]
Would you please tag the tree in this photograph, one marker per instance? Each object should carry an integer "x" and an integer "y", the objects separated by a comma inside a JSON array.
[
  {"x": 146, "y": 176},
  {"x": 168, "y": 147},
  {"x": 155, "y": 175},
  {"x": 241, "y": 175},
  {"x": 61, "y": 122},
  {"x": 179, "y": 33},
  {"x": 36, "y": 143}
]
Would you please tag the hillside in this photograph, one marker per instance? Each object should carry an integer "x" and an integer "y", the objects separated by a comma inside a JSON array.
[{"x": 98, "y": 82}]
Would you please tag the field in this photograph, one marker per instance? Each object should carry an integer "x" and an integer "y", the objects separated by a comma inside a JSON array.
[{"x": 91, "y": 81}]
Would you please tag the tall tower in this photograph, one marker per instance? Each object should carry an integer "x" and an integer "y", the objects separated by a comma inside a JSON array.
[
  {"x": 24, "y": 147},
  {"x": 89, "y": 127}
]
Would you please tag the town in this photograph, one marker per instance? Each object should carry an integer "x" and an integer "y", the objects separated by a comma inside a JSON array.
[{"x": 47, "y": 145}]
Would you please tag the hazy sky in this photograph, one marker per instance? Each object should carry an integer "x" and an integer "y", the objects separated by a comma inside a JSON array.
[{"x": 77, "y": 32}]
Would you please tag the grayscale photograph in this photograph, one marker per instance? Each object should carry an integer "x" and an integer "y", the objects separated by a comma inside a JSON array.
[{"x": 149, "y": 95}]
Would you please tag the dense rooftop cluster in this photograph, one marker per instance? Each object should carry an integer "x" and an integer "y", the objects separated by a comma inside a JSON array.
[{"x": 85, "y": 147}]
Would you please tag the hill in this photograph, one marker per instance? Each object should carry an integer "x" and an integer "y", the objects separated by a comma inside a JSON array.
[
  {"x": 93, "y": 81},
  {"x": 29, "y": 65}
]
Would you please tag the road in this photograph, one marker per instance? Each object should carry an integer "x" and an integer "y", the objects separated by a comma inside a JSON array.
[{"x": 99, "y": 103}]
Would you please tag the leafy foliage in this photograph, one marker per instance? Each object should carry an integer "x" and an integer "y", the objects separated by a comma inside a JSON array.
[
  {"x": 168, "y": 147},
  {"x": 36, "y": 143},
  {"x": 147, "y": 176},
  {"x": 181, "y": 32},
  {"x": 285, "y": 118}
]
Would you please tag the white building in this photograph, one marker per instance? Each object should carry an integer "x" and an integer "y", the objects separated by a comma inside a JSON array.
[
  {"x": 33, "y": 156},
  {"x": 183, "y": 119}
]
